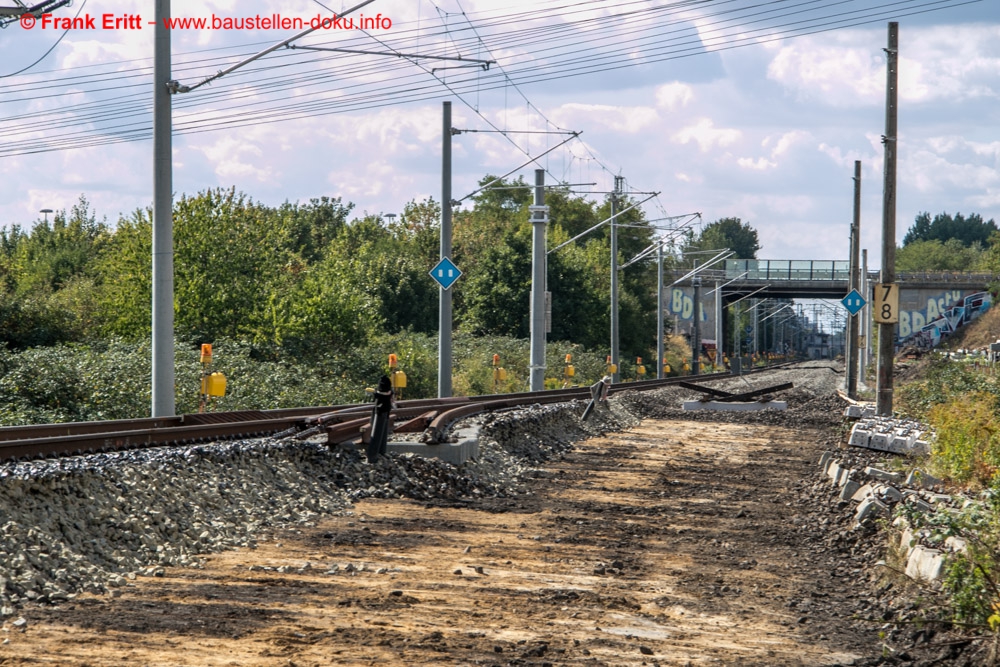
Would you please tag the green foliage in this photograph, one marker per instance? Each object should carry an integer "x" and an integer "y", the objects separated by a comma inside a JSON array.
[
  {"x": 730, "y": 233},
  {"x": 943, "y": 382},
  {"x": 967, "y": 230},
  {"x": 936, "y": 255},
  {"x": 967, "y": 443},
  {"x": 47, "y": 293},
  {"x": 291, "y": 289},
  {"x": 971, "y": 582}
]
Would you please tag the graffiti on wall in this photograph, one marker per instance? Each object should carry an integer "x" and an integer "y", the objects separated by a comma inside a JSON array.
[
  {"x": 682, "y": 305},
  {"x": 941, "y": 316}
]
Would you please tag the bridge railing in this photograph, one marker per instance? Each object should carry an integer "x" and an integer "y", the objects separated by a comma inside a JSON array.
[
  {"x": 770, "y": 270},
  {"x": 788, "y": 269},
  {"x": 943, "y": 277}
]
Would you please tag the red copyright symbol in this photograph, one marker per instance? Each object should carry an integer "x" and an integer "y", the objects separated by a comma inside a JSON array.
[{"x": 27, "y": 21}]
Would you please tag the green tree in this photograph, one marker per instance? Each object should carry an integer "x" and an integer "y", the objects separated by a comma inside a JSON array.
[
  {"x": 47, "y": 290},
  {"x": 935, "y": 255},
  {"x": 730, "y": 233},
  {"x": 968, "y": 230}
]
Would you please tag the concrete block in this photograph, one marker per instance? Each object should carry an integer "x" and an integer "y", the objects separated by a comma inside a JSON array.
[
  {"x": 921, "y": 447},
  {"x": 860, "y": 437},
  {"x": 920, "y": 504},
  {"x": 924, "y": 564},
  {"x": 940, "y": 499},
  {"x": 455, "y": 453},
  {"x": 881, "y": 441},
  {"x": 956, "y": 544},
  {"x": 853, "y": 411},
  {"x": 833, "y": 471},
  {"x": 891, "y": 494},
  {"x": 862, "y": 493},
  {"x": 850, "y": 488},
  {"x": 884, "y": 475},
  {"x": 721, "y": 406},
  {"x": 869, "y": 509},
  {"x": 920, "y": 479},
  {"x": 868, "y": 412},
  {"x": 824, "y": 460},
  {"x": 907, "y": 541}
]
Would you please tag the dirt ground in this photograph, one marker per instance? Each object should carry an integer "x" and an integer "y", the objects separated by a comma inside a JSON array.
[{"x": 672, "y": 544}]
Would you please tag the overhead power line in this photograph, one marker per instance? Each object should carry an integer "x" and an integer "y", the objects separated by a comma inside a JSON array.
[{"x": 548, "y": 41}]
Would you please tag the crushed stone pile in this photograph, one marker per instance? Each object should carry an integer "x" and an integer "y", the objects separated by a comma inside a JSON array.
[{"x": 93, "y": 523}]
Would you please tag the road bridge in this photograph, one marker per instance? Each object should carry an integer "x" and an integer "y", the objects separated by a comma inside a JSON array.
[{"x": 932, "y": 304}]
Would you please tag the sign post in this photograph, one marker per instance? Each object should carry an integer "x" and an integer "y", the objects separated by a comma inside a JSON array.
[
  {"x": 445, "y": 273},
  {"x": 886, "y": 304},
  {"x": 854, "y": 302}
]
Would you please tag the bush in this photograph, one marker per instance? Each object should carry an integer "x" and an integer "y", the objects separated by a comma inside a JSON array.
[
  {"x": 971, "y": 582},
  {"x": 967, "y": 446}
]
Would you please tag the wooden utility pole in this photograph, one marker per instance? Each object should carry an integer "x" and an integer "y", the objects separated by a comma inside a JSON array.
[{"x": 886, "y": 342}]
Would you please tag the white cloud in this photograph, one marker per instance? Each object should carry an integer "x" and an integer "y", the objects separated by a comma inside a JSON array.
[
  {"x": 706, "y": 135},
  {"x": 760, "y": 164},
  {"x": 619, "y": 118},
  {"x": 671, "y": 96},
  {"x": 847, "y": 68}
]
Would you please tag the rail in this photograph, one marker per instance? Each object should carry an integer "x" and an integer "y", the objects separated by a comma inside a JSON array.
[{"x": 342, "y": 423}]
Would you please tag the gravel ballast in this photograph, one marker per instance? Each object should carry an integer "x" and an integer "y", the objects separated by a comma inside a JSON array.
[{"x": 93, "y": 523}]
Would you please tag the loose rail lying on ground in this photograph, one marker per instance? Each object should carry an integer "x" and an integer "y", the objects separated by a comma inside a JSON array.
[{"x": 342, "y": 422}]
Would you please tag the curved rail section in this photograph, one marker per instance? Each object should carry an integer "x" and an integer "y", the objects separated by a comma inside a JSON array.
[{"x": 342, "y": 423}]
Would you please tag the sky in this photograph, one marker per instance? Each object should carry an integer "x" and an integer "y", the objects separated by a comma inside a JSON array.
[{"x": 748, "y": 125}]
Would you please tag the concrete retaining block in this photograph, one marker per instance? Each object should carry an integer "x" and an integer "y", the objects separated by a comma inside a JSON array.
[
  {"x": 884, "y": 475},
  {"x": 870, "y": 508},
  {"x": 924, "y": 564},
  {"x": 833, "y": 471},
  {"x": 919, "y": 478},
  {"x": 850, "y": 488},
  {"x": 891, "y": 494},
  {"x": 862, "y": 493},
  {"x": 920, "y": 504},
  {"x": 956, "y": 544}
]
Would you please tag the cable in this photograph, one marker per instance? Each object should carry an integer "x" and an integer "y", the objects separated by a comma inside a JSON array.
[
  {"x": 42, "y": 57},
  {"x": 289, "y": 86}
]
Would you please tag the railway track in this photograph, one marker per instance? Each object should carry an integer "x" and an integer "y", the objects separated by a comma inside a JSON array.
[{"x": 342, "y": 423}]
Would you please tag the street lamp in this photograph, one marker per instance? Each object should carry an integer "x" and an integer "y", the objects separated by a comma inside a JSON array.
[{"x": 46, "y": 211}]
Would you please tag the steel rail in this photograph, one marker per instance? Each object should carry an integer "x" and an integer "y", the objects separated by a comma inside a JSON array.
[{"x": 342, "y": 422}]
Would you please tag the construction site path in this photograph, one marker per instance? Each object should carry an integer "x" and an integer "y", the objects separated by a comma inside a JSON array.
[{"x": 673, "y": 543}]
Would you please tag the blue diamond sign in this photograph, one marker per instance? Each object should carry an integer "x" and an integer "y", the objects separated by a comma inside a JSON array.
[
  {"x": 853, "y": 302},
  {"x": 445, "y": 273}
]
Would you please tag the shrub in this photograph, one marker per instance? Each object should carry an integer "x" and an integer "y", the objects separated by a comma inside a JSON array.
[{"x": 967, "y": 446}]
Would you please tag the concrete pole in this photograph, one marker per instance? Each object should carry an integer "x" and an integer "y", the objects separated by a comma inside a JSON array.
[
  {"x": 163, "y": 404},
  {"x": 660, "y": 351},
  {"x": 539, "y": 218},
  {"x": 696, "y": 326},
  {"x": 444, "y": 310},
  {"x": 886, "y": 344},
  {"x": 614, "y": 280},
  {"x": 718, "y": 324},
  {"x": 853, "y": 321},
  {"x": 866, "y": 315},
  {"x": 736, "y": 334},
  {"x": 756, "y": 326}
]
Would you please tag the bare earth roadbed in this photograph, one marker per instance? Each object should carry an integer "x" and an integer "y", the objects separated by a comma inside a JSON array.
[{"x": 672, "y": 543}]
